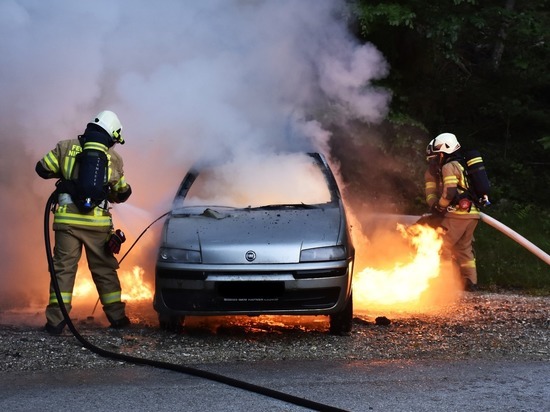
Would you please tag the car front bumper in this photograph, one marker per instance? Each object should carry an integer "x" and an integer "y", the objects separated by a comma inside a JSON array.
[{"x": 290, "y": 289}]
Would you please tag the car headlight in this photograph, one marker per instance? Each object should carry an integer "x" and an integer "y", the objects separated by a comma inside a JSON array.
[
  {"x": 320, "y": 254},
  {"x": 179, "y": 255}
]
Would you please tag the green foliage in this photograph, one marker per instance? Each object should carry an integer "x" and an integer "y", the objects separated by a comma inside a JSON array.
[
  {"x": 445, "y": 67},
  {"x": 370, "y": 15},
  {"x": 504, "y": 263},
  {"x": 545, "y": 142}
]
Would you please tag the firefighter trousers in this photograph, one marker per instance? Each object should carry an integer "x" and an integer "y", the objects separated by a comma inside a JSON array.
[
  {"x": 103, "y": 266},
  {"x": 457, "y": 245}
]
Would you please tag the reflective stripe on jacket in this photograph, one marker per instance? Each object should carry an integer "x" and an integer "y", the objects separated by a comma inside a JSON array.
[
  {"x": 452, "y": 183},
  {"x": 70, "y": 215},
  {"x": 61, "y": 161}
]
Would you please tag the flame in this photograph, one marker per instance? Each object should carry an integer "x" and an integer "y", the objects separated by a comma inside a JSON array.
[
  {"x": 83, "y": 287},
  {"x": 134, "y": 287},
  {"x": 403, "y": 286}
]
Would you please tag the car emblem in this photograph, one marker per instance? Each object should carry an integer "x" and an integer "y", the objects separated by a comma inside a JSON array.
[{"x": 250, "y": 255}]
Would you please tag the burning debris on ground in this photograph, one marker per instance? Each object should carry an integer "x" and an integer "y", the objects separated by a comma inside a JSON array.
[{"x": 477, "y": 326}]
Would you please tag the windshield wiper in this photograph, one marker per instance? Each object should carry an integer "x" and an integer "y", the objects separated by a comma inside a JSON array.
[{"x": 286, "y": 206}]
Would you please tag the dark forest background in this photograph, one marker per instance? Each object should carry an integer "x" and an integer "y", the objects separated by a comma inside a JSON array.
[{"x": 480, "y": 70}]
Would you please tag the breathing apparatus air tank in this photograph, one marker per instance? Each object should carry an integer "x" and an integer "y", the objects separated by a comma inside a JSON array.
[
  {"x": 91, "y": 175},
  {"x": 477, "y": 177}
]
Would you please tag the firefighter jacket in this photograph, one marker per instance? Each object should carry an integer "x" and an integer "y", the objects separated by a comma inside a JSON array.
[
  {"x": 61, "y": 163},
  {"x": 448, "y": 185}
]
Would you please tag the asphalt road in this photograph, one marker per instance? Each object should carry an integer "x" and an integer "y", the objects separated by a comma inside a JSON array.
[{"x": 352, "y": 386}]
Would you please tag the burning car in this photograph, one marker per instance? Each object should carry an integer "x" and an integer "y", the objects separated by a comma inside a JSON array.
[{"x": 242, "y": 240}]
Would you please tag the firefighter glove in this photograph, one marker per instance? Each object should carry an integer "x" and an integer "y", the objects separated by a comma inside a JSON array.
[
  {"x": 431, "y": 220},
  {"x": 438, "y": 210},
  {"x": 114, "y": 241}
]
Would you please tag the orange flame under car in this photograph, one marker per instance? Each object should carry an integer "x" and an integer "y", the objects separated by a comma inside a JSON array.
[{"x": 134, "y": 287}]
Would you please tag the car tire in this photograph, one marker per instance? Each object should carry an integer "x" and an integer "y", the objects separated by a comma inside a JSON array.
[
  {"x": 341, "y": 323},
  {"x": 171, "y": 323}
]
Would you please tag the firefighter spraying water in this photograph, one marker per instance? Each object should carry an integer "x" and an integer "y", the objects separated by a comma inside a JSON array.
[
  {"x": 457, "y": 189},
  {"x": 455, "y": 197}
]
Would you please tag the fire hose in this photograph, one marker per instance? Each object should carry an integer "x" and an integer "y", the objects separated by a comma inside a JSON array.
[
  {"x": 306, "y": 403},
  {"x": 516, "y": 237},
  {"x": 503, "y": 229}
]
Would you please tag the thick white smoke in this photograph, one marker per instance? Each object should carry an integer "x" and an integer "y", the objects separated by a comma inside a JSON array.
[{"x": 189, "y": 80}]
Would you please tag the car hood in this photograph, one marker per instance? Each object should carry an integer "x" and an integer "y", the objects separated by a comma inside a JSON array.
[{"x": 274, "y": 236}]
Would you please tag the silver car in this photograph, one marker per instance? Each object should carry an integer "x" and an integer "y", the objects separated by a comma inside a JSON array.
[{"x": 266, "y": 238}]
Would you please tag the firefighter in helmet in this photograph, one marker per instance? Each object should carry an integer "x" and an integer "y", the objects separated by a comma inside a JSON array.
[
  {"x": 91, "y": 176},
  {"x": 447, "y": 195}
]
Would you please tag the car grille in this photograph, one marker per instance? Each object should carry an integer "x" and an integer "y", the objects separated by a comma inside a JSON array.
[
  {"x": 201, "y": 275},
  {"x": 181, "y": 274},
  {"x": 250, "y": 296}
]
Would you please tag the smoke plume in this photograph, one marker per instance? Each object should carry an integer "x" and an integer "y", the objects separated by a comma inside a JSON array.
[{"x": 190, "y": 80}]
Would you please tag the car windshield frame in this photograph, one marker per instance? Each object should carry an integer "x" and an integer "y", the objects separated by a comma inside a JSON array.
[{"x": 318, "y": 160}]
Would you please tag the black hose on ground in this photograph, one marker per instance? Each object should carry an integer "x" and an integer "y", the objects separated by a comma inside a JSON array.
[{"x": 306, "y": 403}]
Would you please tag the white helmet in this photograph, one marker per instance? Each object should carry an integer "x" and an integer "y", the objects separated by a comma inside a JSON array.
[
  {"x": 445, "y": 143},
  {"x": 109, "y": 122}
]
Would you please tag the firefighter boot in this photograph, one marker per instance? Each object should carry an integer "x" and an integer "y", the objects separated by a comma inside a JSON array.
[
  {"x": 116, "y": 314},
  {"x": 55, "y": 330},
  {"x": 120, "y": 323},
  {"x": 470, "y": 286}
]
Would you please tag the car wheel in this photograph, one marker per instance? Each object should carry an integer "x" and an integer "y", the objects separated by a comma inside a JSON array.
[
  {"x": 341, "y": 322},
  {"x": 171, "y": 323}
]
